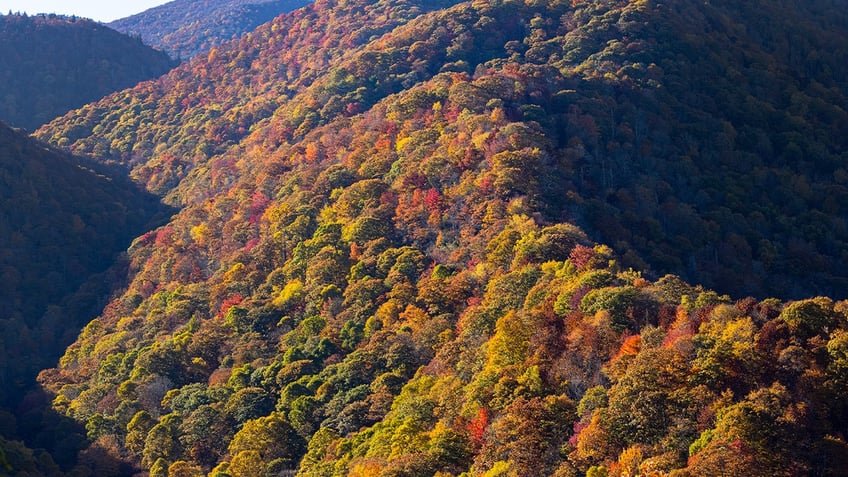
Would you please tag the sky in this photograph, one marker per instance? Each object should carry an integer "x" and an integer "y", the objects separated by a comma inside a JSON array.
[{"x": 100, "y": 10}]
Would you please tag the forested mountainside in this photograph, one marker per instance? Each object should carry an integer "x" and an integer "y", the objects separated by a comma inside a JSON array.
[
  {"x": 717, "y": 156},
  {"x": 389, "y": 256},
  {"x": 52, "y": 64},
  {"x": 63, "y": 223},
  {"x": 185, "y": 28}
]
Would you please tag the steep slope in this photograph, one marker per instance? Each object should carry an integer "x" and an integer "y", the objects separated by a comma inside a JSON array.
[
  {"x": 375, "y": 272},
  {"x": 185, "y": 28},
  {"x": 52, "y": 64}
]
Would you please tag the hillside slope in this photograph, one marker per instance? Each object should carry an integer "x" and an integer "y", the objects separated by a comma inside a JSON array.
[
  {"x": 51, "y": 64},
  {"x": 185, "y": 28},
  {"x": 378, "y": 269}
]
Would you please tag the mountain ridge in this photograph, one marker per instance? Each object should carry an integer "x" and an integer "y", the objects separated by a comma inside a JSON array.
[{"x": 210, "y": 130}]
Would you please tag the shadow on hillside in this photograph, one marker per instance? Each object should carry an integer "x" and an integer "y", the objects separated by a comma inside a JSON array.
[
  {"x": 726, "y": 219},
  {"x": 42, "y": 442},
  {"x": 62, "y": 258}
]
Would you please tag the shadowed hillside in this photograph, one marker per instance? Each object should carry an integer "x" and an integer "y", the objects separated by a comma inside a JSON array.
[
  {"x": 63, "y": 227},
  {"x": 52, "y": 64}
]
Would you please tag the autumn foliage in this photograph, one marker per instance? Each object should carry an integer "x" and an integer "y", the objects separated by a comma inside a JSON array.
[{"x": 388, "y": 256}]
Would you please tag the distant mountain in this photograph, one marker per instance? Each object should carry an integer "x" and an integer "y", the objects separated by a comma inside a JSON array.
[
  {"x": 52, "y": 64},
  {"x": 185, "y": 28}
]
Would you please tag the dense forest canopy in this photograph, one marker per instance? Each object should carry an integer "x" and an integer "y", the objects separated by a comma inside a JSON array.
[
  {"x": 186, "y": 28},
  {"x": 494, "y": 238},
  {"x": 51, "y": 64}
]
